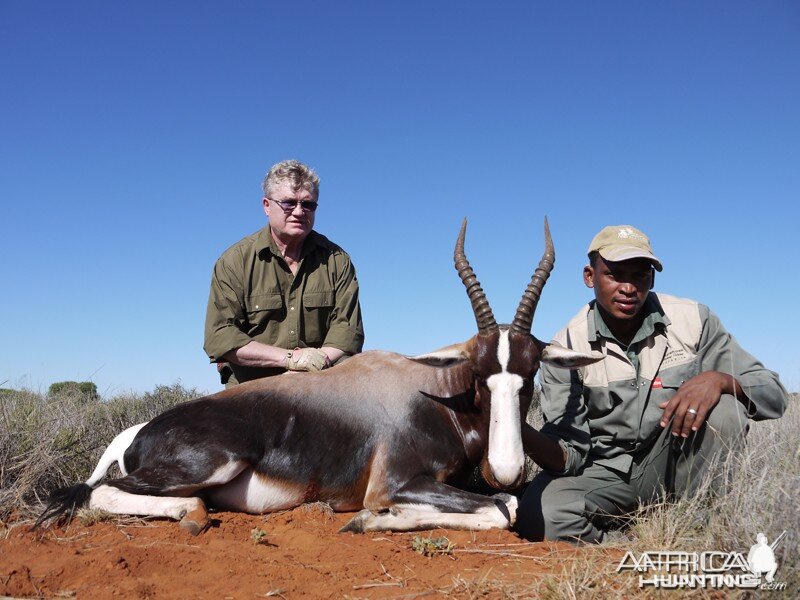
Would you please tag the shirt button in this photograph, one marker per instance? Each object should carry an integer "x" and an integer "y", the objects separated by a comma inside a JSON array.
[
  {"x": 291, "y": 331},
  {"x": 291, "y": 308},
  {"x": 256, "y": 305}
]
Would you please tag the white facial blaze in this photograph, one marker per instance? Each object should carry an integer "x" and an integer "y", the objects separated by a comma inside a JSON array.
[{"x": 506, "y": 458}]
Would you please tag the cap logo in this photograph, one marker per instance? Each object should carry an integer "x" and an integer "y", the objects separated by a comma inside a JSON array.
[{"x": 625, "y": 233}]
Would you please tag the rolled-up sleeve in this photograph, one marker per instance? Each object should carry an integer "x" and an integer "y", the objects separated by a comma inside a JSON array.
[
  {"x": 346, "y": 329},
  {"x": 225, "y": 313},
  {"x": 766, "y": 396},
  {"x": 564, "y": 411}
]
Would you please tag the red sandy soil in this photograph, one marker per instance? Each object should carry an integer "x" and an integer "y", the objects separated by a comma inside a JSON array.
[{"x": 300, "y": 554}]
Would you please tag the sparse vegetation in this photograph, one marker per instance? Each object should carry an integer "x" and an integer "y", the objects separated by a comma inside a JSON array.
[
  {"x": 258, "y": 535},
  {"x": 762, "y": 497},
  {"x": 90, "y": 516},
  {"x": 431, "y": 546},
  {"x": 321, "y": 508},
  {"x": 51, "y": 440}
]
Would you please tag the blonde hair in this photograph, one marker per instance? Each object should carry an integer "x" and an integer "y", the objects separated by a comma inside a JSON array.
[{"x": 299, "y": 175}]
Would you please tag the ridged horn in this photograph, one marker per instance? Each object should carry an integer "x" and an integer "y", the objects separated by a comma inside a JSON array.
[
  {"x": 523, "y": 320},
  {"x": 480, "y": 305}
]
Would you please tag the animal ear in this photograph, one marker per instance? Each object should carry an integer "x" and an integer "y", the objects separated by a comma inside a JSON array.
[
  {"x": 444, "y": 357},
  {"x": 568, "y": 359}
]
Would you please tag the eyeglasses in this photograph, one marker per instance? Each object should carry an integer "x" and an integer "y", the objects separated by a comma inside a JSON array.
[{"x": 289, "y": 205}]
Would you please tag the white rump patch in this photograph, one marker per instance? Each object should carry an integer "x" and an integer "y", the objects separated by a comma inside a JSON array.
[
  {"x": 115, "y": 453},
  {"x": 506, "y": 458}
]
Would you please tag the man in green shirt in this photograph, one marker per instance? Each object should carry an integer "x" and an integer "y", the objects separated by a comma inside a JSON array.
[
  {"x": 285, "y": 297},
  {"x": 671, "y": 398}
]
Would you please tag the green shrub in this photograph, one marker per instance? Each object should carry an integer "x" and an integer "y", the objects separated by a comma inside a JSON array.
[{"x": 87, "y": 389}]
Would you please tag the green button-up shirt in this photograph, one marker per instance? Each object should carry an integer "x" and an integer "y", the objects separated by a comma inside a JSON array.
[{"x": 255, "y": 296}]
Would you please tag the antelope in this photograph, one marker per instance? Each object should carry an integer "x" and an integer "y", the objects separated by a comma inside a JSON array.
[{"x": 387, "y": 435}]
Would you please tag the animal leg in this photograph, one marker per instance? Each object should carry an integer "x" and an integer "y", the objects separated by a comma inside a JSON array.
[
  {"x": 151, "y": 492},
  {"x": 426, "y": 503},
  {"x": 190, "y": 511}
]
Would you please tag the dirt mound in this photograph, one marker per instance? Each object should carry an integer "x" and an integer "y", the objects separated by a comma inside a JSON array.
[{"x": 292, "y": 554}]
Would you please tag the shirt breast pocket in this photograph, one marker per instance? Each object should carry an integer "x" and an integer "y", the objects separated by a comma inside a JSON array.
[
  {"x": 317, "y": 309},
  {"x": 667, "y": 382},
  {"x": 261, "y": 308}
]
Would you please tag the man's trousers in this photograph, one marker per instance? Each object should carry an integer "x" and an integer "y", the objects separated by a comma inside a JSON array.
[{"x": 580, "y": 507}]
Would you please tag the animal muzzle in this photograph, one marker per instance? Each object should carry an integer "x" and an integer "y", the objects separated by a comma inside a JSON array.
[
  {"x": 505, "y": 455},
  {"x": 506, "y": 475}
]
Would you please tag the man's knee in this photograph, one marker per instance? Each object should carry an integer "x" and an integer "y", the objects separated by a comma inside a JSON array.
[
  {"x": 723, "y": 436},
  {"x": 728, "y": 420},
  {"x": 553, "y": 508}
]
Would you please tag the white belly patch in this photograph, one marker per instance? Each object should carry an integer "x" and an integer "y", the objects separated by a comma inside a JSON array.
[{"x": 253, "y": 493}]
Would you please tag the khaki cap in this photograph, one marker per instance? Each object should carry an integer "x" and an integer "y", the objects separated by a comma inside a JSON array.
[{"x": 623, "y": 242}]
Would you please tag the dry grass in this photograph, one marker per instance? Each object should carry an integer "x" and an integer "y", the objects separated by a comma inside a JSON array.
[
  {"x": 47, "y": 441},
  {"x": 321, "y": 508},
  {"x": 762, "y": 496}
]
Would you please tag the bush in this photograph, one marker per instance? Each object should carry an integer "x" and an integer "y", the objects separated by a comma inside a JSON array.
[{"x": 86, "y": 389}]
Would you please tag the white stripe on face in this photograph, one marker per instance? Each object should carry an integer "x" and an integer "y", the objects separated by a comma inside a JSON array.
[{"x": 506, "y": 458}]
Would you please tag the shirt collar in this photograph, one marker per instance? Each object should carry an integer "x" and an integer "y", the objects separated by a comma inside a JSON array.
[
  {"x": 654, "y": 321},
  {"x": 265, "y": 241}
]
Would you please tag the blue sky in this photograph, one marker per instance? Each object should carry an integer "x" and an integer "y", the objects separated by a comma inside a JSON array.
[{"x": 134, "y": 138}]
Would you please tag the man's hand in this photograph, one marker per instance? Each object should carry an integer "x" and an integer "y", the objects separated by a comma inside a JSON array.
[
  {"x": 307, "y": 359},
  {"x": 694, "y": 400}
]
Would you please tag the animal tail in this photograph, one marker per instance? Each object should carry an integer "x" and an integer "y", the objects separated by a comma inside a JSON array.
[{"x": 67, "y": 500}]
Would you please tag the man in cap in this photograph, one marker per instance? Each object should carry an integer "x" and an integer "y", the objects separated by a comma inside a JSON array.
[
  {"x": 285, "y": 297},
  {"x": 670, "y": 400}
]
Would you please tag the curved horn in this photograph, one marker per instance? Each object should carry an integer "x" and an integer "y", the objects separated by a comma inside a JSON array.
[
  {"x": 527, "y": 306},
  {"x": 480, "y": 305}
]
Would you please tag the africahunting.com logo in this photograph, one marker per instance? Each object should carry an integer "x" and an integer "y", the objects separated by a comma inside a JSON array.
[{"x": 710, "y": 569}]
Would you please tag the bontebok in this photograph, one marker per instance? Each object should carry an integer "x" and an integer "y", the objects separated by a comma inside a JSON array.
[{"x": 382, "y": 432}]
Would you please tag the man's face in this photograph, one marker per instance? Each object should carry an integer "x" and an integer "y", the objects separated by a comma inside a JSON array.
[
  {"x": 294, "y": 224},
  {"x": 620, "y": 287}
]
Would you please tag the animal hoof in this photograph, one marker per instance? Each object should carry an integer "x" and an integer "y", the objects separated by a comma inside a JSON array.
[
  {"x": 510, "y": 503},
  {"x": 195, "y": 522},
  {"x": 357, "y": 523}
]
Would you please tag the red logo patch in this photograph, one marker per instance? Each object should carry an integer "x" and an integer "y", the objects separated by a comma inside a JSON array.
[{"x": 657, "y": 383}]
